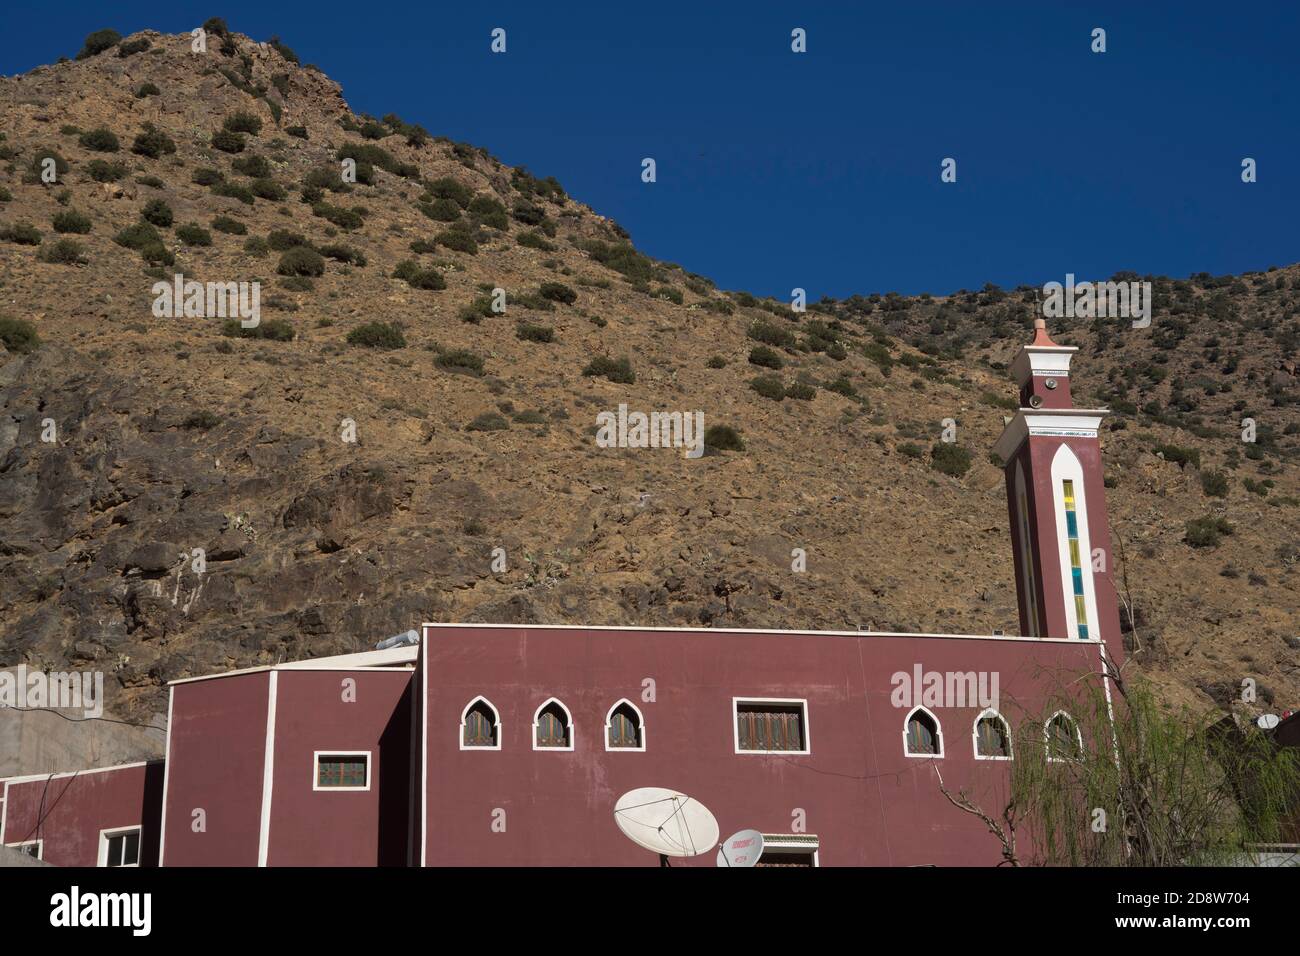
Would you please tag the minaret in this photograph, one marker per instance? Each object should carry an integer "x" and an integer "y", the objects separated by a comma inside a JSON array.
[{"x": 1060, "y": 531}]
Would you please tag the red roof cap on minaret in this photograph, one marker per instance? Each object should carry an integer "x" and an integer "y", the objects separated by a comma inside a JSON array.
[{"x": 1040, "y": 334}]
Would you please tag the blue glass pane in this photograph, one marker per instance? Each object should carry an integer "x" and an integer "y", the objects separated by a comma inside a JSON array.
[
  {"x": 1077, "y": 574},
  {"x": 1083, "y": 632},
  {"x": 1071, "y": 524}
]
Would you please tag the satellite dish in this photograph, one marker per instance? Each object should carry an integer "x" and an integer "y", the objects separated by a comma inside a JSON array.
[
  {"x": 741, "y": 849},
  {"x": 666, "y": 822},
  {"x": 1268, "y": 721}
]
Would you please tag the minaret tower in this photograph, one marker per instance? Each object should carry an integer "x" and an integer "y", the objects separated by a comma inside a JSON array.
[{"x": 1060, "y": 531}]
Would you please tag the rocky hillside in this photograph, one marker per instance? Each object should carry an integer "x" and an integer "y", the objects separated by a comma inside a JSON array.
[{"x": 181, "y": 495}]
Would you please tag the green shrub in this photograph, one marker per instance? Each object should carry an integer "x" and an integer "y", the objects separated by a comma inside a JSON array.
[
  {"x": 1207, "y": 532},
  {"x": 296, "y": 283},
  {"x": 100, "y": 140},
  {"x": 343, "y": 218},
  {"x": 242, "y": 122},
  {"x": 378, "y": 335},
  {"x": 487, "y": 422},
  {"x": 277, "y": 330},
  {"x": 771, "y": 334},
  {"x": 489, "y": 212},
  {"x": 227, "y": 142},
  {"x": 153, "y": 182},
  {"x": 193, "y": 235},
  {"x": 1214, "y": 483},
  {"x": 669, "y": 293},
  {"x": 459, "y": 239},
  {"x": 147, "y": 89},
  {"x": 18, "y": 335},
  {"x": 441, "y": 210},
  {"x": 377, "y": 156},
  {"x": 842, "y": 386},
  {"x": 460, "y": 360},
  {"x": 529, "y": 332},
  {"x": 911, "y": 450},
  {"x": 616, "y": 370},
  {"x": 102, "y": 171},
  {"x": 716, "y": 361},
  {"x": 282, "y": 239},
  {"x": 129, "y": 47},
  {"x": 528, "y": 214},
  {"x": 764, "y": 356},
  {"x": 769, "y": 386},
  {"x": 157, "y": 212},
  {"x": 255, "y": 246},
  {"x": 1182, "y": 456},
  {"x": 301, "y": 261},
  {"x": 201, "y": 420},
  {"x": 298, "y": 132},
  {"x": 950, "y": 458},
  {"x": 343, "y": 253},
  {"x": 67, "y": 252},
  {"x": 418, "y": 278},
  {"x": 534, "y": 240},
  {"x": 22, "y": 233},
  {"x": 283, "y": 50},
  {"x": 205, "y": 176},
  {"x": 71, "y": 221},
  {"x": 448, "y": 188},
  {"x": 256, "y": 166},
  {"x": 233, "y": 191},
  {"x": 137, "y": 236},
  {"x": 801, "y": 391},
  {"x": 98, "y": 42},
  {"x": 230, "y": 226},
  {"x": 557, "y": 292},
  {"x": 621, "y": 257},
  {"x": 267, "y": 189},
  {"x": 723, "y": 438}
]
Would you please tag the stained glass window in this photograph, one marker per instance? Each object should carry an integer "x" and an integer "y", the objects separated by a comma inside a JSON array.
[{"x": 1076, "y": 559}]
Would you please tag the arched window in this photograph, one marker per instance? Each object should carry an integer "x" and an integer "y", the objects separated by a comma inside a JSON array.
[
  {"x": 921, "y": 734},
  {"x": 992, "y": 737},
  {"x": 1064, "y": 742},
  {"x": 1075, "y": 546},
  {"x": 480, "y": 728},
  {"x": 624, "y": 729},
  {"x": 552, "y": 727}
]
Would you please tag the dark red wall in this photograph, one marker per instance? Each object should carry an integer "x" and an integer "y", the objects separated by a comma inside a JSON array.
[
  {"x": 341, "y": 828},
  {"x": 68, "y": 812},
  {"x": 216, "y": 751},
  {"x": 867, "y": 802}
]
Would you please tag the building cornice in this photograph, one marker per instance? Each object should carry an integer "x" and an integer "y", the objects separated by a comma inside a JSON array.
[{"x": 1048, "y": 422}]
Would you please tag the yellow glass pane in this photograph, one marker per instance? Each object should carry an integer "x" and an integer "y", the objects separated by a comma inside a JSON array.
[
  {"x": 1080, "y": 611},
  {"x": 1074, "y": 553},
  {"x": 1069, "y": 495}
]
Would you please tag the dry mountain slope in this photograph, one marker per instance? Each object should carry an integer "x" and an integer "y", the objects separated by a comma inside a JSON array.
[{"x": 176, "y": 434}]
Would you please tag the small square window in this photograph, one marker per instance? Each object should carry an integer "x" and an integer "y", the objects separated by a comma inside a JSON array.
[
  {"x": 771, "y": 726},
  {"x": 342, "y": 771},
  {"x": 120, "y": 847}
]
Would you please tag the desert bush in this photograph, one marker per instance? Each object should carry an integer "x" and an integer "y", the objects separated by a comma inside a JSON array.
[
  {"x": 489, "y": 212},
  {"x": 205, "y": 176},
  {"x": 242, "y": 122},
  {"x": 769, "y": 386},
  {"x": 22, "y": 233},
  {"x": 227, "y": 142},
  {"x": 621, "y": 257},
  {"x": 770, "y": 333},
  {"x": 377, "y": 335},
  {"x": 616, "y": 370},
  {"x": 147, "y": 89},
  {"x": 276, "y": 330},
  {"x": 343, "y": 218},
  {"x": 459, "y": 239},
  {"x": 233, "y": 191},
  {"x": 765, "y": 357},
  {"x": 534, "y": 240},
  {"x": 100, "y": 139},
  {"x": 488, "y": 422},
  {"x": 557, "y": 292},
  {"x": 282, "y": 239},
  {"x": 723, "y": 438},
  {"x": 441, "y": 210},
  {"x": 417, "y": 277},
  {"x": 298, "y": 132},
  {"x": 256, "y": 246},
  {"x": 343, "y": 253},
  {"x": 230, "y": 226},
  {"x": 267, "y": 189},
  {"x": 528, "y": 214},
  {"x": 448, "y": 188},
  {"x": 130, "y": 47},
  {"x": 193, "y": 234},
  {"x": 5, "y": 195},
  {"x": 71, "y": 221},
  {"x": 950, "y": 459},
  {"x": 156, "y": 211},
  {"x": 153, "y": 142},
  {"x": 98, "y": 42},
  {"x": 137, "y": 236},
  {"x": 528, "y": 332},
  {"x": 801, "y": 391},
  {"x": 301, "y": 261},
  {"x": 153, "y": 182},
  {"x": 1214, "y": 483},
  {"x": 1207, "y": 532},
  {"x": 256, "y": 166},
  {"x": 283, "y": 50},
  {"x": 460, "y": 360},
  {"x": 377, "y": 156},
  {"x": 66, "y": 252},
  {"x": 1180, "y": 455},
  {"x": 18, "y": 335}
]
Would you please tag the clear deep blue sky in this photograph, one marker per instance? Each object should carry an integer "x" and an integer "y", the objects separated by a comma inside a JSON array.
[{"x": 821, "y": 170}]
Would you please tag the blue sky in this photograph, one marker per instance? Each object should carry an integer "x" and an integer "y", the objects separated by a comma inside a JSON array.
[{"x": 821, "y": 170}]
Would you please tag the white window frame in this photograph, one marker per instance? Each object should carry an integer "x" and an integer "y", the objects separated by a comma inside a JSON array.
[
  {"x": 938, "y": 729},
  {"x": 806, "y": 843},
  {"x": 496, "y": 724},
  {"x": 39, "y": 844},
  {"x": 568, "y": 725},
  {"x": 315, "y": 769},
  {"x": 1047, "y": 736},
  {"x": 805, "y": 724},
  {"x": 106, "y": 835},
  {"x": 975, "y": 735},
  {"x": 640, "y": 726}
]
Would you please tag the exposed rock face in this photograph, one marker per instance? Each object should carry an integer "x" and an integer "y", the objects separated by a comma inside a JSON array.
[{"x": 200, "y": 508}]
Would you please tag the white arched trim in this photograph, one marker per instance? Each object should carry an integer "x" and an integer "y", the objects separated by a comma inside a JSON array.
[
  {"x": 640, "y": 727},
  {"x": 496, "y": 724},
  {"x": 568, "y": 723},
  {"x": 990, "y": 714},
  {"x": 938, "y": 732},
  {"x": 1066, "y": 467},
  {"x": 1071, "y": 723},
  {"x": 1028, "y": 579}
]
